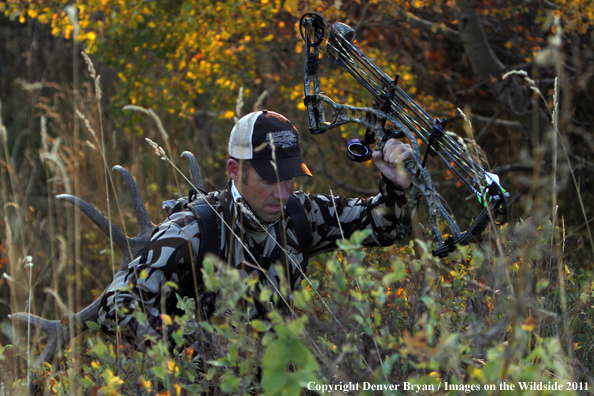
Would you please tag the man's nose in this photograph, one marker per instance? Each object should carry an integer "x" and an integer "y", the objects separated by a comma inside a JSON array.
[{"x": 283, "y": 191}]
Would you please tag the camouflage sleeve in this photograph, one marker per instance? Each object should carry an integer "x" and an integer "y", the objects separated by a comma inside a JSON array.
[
  {"x": 332, "y": 219},
  {"x": 167, "y": 257}
]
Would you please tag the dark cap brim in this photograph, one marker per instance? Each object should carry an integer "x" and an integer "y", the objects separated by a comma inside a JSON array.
[{"x": 287, "y": 168}]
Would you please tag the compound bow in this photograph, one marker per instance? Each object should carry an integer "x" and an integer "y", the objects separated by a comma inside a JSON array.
[{"x": 409, "y": 121}]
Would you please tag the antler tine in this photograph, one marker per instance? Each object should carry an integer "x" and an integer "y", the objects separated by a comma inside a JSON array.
[
  {"x": 145, "y": 224},
  {"x": 194, "y": 170},
  {"x": 118, "y": 236},
  {"x": 57, "y": 333},
  {"x": 53, "y": 328}
]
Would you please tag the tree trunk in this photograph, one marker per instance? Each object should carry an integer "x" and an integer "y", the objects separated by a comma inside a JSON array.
[{"x": 515, "y": 96}]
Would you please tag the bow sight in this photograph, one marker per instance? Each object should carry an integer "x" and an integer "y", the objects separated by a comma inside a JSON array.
[{"x": 407, "y": 120}]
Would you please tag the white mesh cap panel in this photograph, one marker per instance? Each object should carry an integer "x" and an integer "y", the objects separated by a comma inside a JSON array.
[{"x": 240, "y": 141}]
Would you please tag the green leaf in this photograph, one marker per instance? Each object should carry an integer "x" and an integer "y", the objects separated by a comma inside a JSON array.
[
  {"x": 159, "y": 372},
  {"x": 91, "y": 325},
  {"x": 358, "y": 296},
  {"x": 207, "y": 266},
  {"x": 359, "y": 236},
  {"x": 286, "y": 348},
  {"x": 457, "y": 284},
  {"x": 86, "y": 382},
  {"x": 541, "y": 285},
  {"x": 99, "y": 348},
  {"x": 259, "y": 325}
]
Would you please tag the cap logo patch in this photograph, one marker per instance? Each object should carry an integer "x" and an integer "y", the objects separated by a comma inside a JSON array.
[{"x": 282, "y": 139}]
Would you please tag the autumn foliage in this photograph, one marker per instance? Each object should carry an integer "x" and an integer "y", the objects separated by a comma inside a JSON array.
[{"x": 515, "y": 305}]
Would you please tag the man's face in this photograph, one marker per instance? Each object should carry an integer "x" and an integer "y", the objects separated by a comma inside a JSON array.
[{"x": 266, "y": 200}]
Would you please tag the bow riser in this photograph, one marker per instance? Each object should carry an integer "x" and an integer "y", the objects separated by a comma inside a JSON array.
[{"x": 410, "y": 121}]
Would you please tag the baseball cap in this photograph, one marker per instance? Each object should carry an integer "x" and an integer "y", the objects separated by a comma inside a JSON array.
[{"x": 256, "y": 135}]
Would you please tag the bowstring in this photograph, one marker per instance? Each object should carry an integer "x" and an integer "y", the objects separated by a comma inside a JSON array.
[{"x": 355, "y": 62}]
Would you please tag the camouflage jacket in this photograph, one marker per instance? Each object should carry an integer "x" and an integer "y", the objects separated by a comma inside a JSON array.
[{"x": 174, "y": 252}]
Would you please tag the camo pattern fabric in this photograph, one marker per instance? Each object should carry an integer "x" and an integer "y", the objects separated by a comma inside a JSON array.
[{"x": 174, "y": 252}]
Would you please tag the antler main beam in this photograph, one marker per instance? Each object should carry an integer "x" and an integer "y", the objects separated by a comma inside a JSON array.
[{"x": 58, "y": 331}]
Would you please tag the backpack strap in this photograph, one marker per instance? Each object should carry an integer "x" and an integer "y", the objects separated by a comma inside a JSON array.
[
  {"x": 210, "y": 242},
  {"x": 301, "y": 225},
  {"x": 211, "y": 237}
]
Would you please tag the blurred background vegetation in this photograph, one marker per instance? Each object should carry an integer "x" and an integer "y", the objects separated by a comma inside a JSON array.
[{"x": 190, "y": 60}]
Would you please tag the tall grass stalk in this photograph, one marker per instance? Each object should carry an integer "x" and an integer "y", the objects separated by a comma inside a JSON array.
[
  {"x": 74, "y": 294},
  {"x": 51, "y": 207},
  {"x": 107, "y": 176},
  {"x": 29, "y": 266},
  {"x": 12, "y": 235},
  {"x": 163, "y": 133}
]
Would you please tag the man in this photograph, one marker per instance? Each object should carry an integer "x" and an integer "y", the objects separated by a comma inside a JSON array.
[{"x": 264, "y": 161}]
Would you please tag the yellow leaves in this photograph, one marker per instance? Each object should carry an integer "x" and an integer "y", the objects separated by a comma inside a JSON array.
[
  {"x": 291, "y": 6},
  {"x": 112, "y": 383},
  {"x": 228, "y": 114},
  {"x": 438, "y": 27},
  {"x": 43, "y": 18},
  {"x": 146, "y": 384},
  {"x": 529, "y": 324},
  {"x": 89, "y": 37},
  {"x": 490, "y": 303},
  {"x": 172, "y": 367},
  {"x": 166, "y": 320}
]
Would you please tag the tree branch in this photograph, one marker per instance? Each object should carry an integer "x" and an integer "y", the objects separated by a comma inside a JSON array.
[{"x": 432, "y": 27}]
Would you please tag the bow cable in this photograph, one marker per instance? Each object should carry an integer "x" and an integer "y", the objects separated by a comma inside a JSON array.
[{"x": 410, "y": 119}]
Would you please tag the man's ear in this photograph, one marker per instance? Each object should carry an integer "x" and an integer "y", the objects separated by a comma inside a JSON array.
[{"x": 233, "y": 169}]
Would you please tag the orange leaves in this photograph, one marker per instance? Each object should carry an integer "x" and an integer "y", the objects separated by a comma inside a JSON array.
[
  {"x": 415, "y": 345},
  {"x": 3, "y": 256}
]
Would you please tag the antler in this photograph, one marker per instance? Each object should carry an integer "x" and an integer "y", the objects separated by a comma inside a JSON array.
[
  {"x": 194, "y": 170},
  {"x": 59, "y": 333}
]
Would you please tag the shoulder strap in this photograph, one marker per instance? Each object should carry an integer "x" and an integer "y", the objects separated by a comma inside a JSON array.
[
  {"x": 301, "y": 225},
  {"x": 210, "y": 243},
  {"x": 211, "y": 237}
]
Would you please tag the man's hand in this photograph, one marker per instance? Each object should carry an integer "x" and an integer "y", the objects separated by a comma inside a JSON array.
[{"x": 390, "y": 161}]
